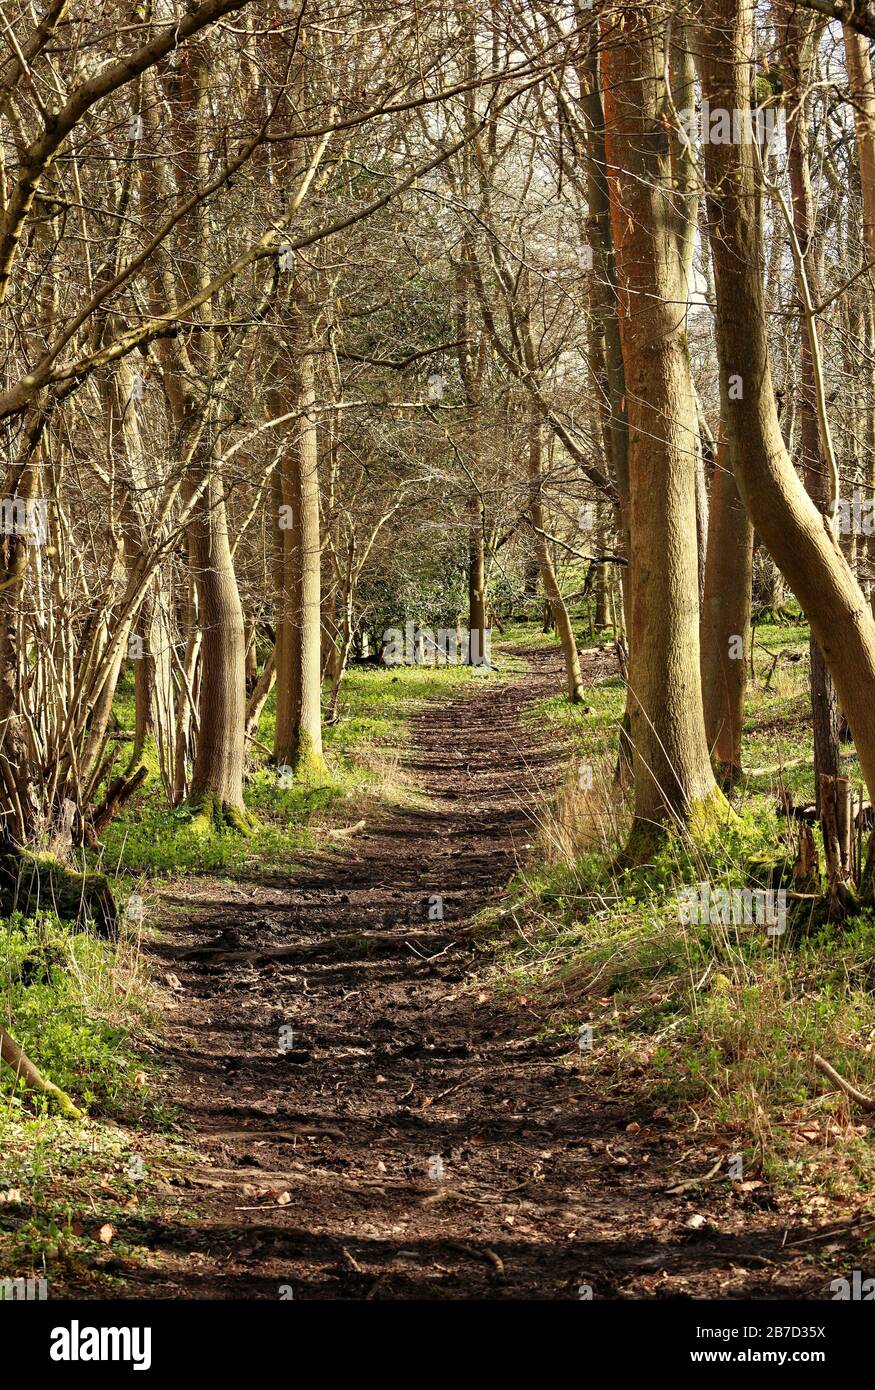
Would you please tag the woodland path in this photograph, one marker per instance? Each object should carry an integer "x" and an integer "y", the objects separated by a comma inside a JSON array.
[{"x": 315, "y": 1161}]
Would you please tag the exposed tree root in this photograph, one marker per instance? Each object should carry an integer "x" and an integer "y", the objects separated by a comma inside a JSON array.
[{"x": 14, "y": 1057}]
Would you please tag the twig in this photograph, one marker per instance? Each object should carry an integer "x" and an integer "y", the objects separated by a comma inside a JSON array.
[
  {"x": 823, "y": 1066},
  {"x": 437, "y": 954},
  {"x": 696, "y": 1182},
  {"x": 482, "y": 1251}
]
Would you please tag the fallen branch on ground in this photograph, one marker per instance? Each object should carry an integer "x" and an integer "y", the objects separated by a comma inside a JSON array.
[
  {"x": 350, "y": 830},
  {"x": 687, "y": 1183},
  {"x": 336, "y": 945},
  {"x": 822, "y": 1065}
]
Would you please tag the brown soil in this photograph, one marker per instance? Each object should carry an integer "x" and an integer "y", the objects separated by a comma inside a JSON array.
[{"x": 319, "y": 1176}]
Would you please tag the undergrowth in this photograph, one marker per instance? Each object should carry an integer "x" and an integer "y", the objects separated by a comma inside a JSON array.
[{"x": 716, "y": 1025}]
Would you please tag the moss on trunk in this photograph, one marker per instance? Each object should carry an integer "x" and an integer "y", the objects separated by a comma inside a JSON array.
[
  {"x": 30, "y": 882},
  {"x": 703, "y": 819},
  {"x": 211, "y": 814},
  {"x": 308, "y": 763}
]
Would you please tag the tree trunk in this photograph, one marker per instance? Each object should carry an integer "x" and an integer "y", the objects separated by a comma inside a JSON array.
[
  {"x": 217, "y": 776},
  {"x": 794, "y": 34},
  {"x": 298, "y": 739},
  {"x": 725, "y": 626},
  {"x": 257, "y": 700},
  {"x": 477, "y": 645},
  {"x": 531, "y": 573},
  {"x": 18, "y": 796},
  {"x": 862, "y": 90},
  {"x": 606, "y": 324},
  {"x": 674, "y": 782},
  {"x": 600, "y": 587},
  {"x": 251, "y": 657},
  {"x": 552, "y": 592},
  {"x": 153, "y": 683},
  {"x": 186, "y": 708},
  {"x": 794, "y": 531}
]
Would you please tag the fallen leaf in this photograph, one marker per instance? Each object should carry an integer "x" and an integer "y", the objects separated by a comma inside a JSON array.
[{"x": 106, "y": 1233}]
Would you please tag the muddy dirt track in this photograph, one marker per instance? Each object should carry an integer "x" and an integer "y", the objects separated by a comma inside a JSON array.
[{"x": 408, "y": 1138}]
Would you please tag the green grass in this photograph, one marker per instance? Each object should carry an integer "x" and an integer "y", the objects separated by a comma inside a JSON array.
[
  {"x": 76, "y": 1002},
  {"x": 777, "y": 743},
  {"x": 81, "y": 1009},
  {"x": 718, "y": 1025},
  {"x": 361, "y": 754},
  {"x": 719, "y": 1029}
]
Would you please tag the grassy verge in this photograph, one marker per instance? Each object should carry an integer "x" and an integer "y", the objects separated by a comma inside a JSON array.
[
  {"x": 83, "y": 1010},
  {"x": 716, "y": 1025}
]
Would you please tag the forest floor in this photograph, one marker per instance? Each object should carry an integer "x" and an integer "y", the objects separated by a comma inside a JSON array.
[{"x": 364, "y": 1119}]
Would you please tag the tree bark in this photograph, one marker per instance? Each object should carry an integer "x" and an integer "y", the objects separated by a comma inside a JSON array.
[
  {"x": 16, "y": 763},
  {"x": 862, "y": 90},
  {"x": 217, "y": 776},
  {"x": 725, "y": 626},
  {"x": 477, "y": 654},
  {"x": 674, "y": 782},
  {"x": 606, "y": 324},
  {"x": 298, "y": 738},
  {"x": 794, "y": 34},
  {"x": 552, "y": 592},
  {"x": 796, "y": 534}
]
